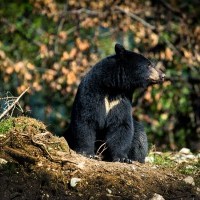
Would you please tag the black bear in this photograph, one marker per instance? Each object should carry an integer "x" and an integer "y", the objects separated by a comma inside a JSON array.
[{"x": 102, "y": 109}]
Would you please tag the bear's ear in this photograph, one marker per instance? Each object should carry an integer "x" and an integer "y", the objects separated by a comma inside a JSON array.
[{"x": 119, "y": 50}]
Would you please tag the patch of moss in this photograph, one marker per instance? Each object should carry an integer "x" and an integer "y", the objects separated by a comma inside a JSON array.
[
  {"x": 6, "y": 125},
  {"x": 21, "y": 124},
  {"x": 190, "y": 168},
  {"x": 162, "y": 160},
  {"x": 30, "y": 124}
]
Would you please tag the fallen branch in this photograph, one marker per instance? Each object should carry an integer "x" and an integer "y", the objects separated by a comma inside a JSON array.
[{"x": 13, "y": 104}]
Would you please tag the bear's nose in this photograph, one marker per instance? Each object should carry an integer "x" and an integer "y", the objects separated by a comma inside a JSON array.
[{"x": 163, "y": 76}]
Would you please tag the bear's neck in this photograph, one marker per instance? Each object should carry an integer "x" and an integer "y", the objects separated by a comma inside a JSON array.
[{"x": 113, "y": 94}]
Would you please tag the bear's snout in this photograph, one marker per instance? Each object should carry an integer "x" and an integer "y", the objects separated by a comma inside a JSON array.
[
  {"x": 162, "y": 76},
  {"x": 156, "y": 76}
]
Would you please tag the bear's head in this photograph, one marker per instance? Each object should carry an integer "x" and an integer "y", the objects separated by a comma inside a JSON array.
[{"x": 138, "y": 70}]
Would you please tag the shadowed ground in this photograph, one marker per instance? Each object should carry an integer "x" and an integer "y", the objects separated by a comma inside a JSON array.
[{"x": 37, "y": 165}]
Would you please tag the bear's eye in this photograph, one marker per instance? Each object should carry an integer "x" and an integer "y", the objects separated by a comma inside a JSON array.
[{"x": 151, "y": 66}]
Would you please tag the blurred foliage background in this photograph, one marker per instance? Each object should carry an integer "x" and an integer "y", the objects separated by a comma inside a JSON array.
[{"x": 48, "y": 45}]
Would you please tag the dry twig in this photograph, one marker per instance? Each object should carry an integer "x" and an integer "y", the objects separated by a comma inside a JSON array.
[
  {"x": 101, "y": 149},
  {"x": 13, "y": 104}
]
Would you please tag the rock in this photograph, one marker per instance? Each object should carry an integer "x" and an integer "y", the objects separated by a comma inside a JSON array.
[
  {"x": 3, "y": 161},
  {"x": 133, "y": 168},
  {"x": 157, "y": 197},
  {"x": 189, "y": 180},
  {"x": 190, "y": 157},
  {"x": 108, "y": 190},
  {"x": 185, "y": 151},
  {"x": 74, "y": 181},
  {"x": 198, "y": 191},
  {"x": 149, "y": 159}
]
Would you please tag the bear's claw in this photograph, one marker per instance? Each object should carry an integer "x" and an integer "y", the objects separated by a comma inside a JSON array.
[{"x": 122, "y": 160}]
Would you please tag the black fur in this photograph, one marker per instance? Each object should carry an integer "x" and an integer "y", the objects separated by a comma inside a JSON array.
[
  {"x": 113, "y": 80},
  {"x": 139, "y": 146}
]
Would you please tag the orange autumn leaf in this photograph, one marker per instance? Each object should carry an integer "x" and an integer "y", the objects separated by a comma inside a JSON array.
[
  {"x": 71, "y": 78},
  {"x": 30, "y": 66},
  {"x": 65, "y": 56},
  {"x": 169, "y": 54},
  {"x": 63, "y": 35},
  {"x": 187, "y": 53},
  {"x": 65, "y": 71},
  {"x": 9, "y": 70},
  {"x": 82, "y": 44},
  {"x": 19, "y": 66},
  {"x": 73, "y": 53},
  {"x": 28, "y": 76}
]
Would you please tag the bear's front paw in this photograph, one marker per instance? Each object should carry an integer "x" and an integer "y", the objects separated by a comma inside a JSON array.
[{"x": 122, "y": 160}]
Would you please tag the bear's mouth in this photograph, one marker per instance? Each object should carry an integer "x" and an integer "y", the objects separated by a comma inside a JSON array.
[
  {"x": 162, "y": 77},
  {"x": 160, "y": 80}
]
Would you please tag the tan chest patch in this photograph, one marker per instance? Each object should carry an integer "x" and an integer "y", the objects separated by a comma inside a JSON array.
[{"x": 109, "y": 105}]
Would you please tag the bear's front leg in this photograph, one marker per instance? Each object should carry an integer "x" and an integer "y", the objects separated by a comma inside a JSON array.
[
  {"x": 82, "y": 139},
  {"x": 119, "y": 139}
]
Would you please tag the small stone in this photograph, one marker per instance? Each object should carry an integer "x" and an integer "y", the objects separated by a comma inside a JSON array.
[
  {"x": 3, "y": 135},
  {"x": 74, "y": 181},
  {"x": 149, "y": 159},
  {"x": 185, "y": 151},
  {"x": 133, "y": 168},
  {"x": 3, "y": 161},
  {"x": 190, "y": 157},
  {"x": 189, "y": 180},
  {"x": 157, "y": 197},
  {"x": 198, "y": 191},
  {"x": 108, "y": 190}
]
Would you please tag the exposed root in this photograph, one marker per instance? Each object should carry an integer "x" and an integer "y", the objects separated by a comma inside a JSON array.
[{"x": 20, "y": 156}]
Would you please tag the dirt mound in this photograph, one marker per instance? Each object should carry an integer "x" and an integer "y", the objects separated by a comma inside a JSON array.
[{"x": 37, "y": 165}]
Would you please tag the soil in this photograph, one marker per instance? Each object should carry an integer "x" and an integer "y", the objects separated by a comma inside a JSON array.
[{"x": 41, "y": 166}]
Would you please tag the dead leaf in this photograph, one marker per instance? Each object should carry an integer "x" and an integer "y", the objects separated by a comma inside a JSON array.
[
  {"x": 71, "y": 78},
  {"x": 169, "y": 54},
  {"x": 82, "y": 44}
]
